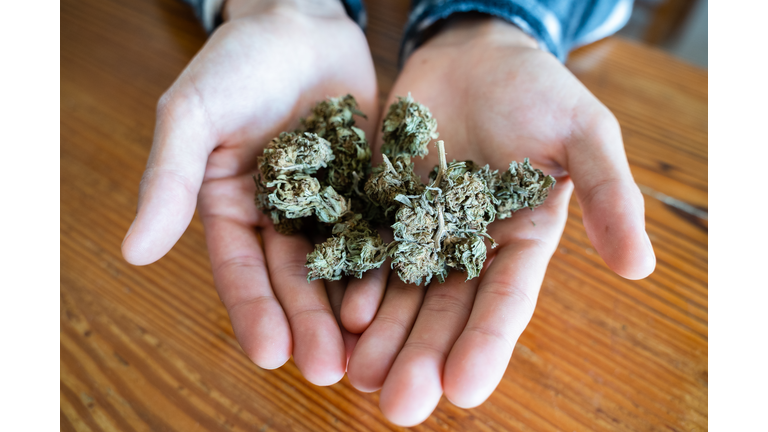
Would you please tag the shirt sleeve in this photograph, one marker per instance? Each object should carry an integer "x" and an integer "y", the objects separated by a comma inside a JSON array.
[
  {"x": 559, "y": 26},
  {"x": 209, "y": 12}
]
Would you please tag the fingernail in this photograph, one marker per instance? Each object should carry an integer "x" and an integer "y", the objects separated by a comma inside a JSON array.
[
  {"x": 648, "y": 243},
  {"x": 129, "y": 231},
  {"x": 651, "y": 255}
]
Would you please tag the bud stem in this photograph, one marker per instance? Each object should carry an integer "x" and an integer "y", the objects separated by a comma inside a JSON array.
[
  {"x": 442, "y": 167},
  {"x": 440, "y": 227}
]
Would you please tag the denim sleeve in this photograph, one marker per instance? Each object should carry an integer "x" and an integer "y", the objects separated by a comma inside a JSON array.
[
  {"x": 209, "y": 12},
  {"x": 558, "y": 25}
]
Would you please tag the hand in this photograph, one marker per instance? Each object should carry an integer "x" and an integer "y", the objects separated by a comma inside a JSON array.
[
  {"x": 266, "y": 66},
  {"x": 496, "y": 98}
]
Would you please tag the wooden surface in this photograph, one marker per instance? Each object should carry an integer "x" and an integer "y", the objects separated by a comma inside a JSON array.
[{"x": 151, "y": 348}]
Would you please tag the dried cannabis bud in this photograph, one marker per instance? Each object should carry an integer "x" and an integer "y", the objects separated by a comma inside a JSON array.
[
  {"x": 443, "y": 228},
  {"x": 354, "y": 249},
  {"x": 390, "y": 180},
  {"x": 285, "y": 186},
  {"x": 317, "y": 171},
  {"x": 333, "y": 119},
  {"x": 521, "y": 186},
  {"x": 295, "y": 152},
  {"x": 408, "y": 128},
  {"x": 415, "y": 252},
  {"x": 469, "y": 208}
]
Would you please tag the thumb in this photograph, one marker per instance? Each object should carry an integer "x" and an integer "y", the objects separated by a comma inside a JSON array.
[
  {"x": 614, "y": 210},
  {"x": 170, "y": 184}
]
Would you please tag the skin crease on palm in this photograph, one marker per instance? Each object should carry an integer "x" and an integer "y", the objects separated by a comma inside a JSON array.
[{"x": 496, "y": 97}]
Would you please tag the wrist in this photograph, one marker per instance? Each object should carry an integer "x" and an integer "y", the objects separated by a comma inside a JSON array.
[
  {"x": 472, "y": 28},
  {"x": 236, "y": 9}
]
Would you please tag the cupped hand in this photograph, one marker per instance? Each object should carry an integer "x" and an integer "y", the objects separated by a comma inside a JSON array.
[
  {"x": 496, "y": 98},
  {"x": 266, "y": 66}
]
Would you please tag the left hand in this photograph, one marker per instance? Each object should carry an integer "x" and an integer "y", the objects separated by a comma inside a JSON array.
[{"x": 497, "y": 98}]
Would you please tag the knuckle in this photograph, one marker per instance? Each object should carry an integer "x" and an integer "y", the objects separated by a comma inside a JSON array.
[
  {"x": 493, "y": 334},
  {"x": 425, "y": 347},
  {"x": 164, "y": 102},
  {"x": 597, "y": 189},
  {"x": 533, "y": 244},
  {"x": 605, "y": 122},
  {"x": 600, "y": 127},
  {"x": 406, "y": 289},
  {"x": 393, "y": 321},
  {"x": 177, "y": 102},
  {"x": 291, "y": 269},
  {"x": 246, "y": 262},
  {"x": 252, "y": 302},
  {"x": 180, "y": 178},
  {"x": 443, "y": 303},
  {"x": 304, "y": 313},
  {"x": 611, "y": 190},
  {"x": 508, "y": 295},
  {"x": 609, "y": 119}
]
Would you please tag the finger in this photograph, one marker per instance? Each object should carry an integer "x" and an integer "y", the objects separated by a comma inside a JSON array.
[
  {"x": 363, "y": 296},
  {"x": 171, "y": 181},
  {"x": 240, "y": 274},
  {"x": 505, "y": 299},
  {"x": 379, "y": 344},
  {"x": 318, "y": 348},
  {"x": 614, "y": 211},
  {"x": 336, "y": 293},
  {"x": 413, "y": 386},
  {"x": 362, "y": 299}
]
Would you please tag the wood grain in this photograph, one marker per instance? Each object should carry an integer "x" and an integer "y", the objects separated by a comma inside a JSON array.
[{"x": 151, "y": 348}]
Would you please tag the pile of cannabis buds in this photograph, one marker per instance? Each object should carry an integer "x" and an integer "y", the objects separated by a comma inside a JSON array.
[{"x": 318, "y": 171}]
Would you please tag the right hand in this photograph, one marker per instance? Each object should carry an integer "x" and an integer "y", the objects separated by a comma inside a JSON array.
[
  {"x": 496, "y": 97},
  {"x": 256, "y": 75}
]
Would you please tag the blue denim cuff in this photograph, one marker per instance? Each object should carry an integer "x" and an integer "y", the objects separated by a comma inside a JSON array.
[
  {"x": 356, "y": 10},
  {"x": 558, "y": 25},
  {"x": 209, "y": 12}
]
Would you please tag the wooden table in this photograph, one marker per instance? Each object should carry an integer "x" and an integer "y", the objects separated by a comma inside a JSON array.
[{"x": 151, "y": 348}]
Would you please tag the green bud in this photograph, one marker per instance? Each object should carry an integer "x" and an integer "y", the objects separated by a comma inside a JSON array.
[
  {"x": 333, "y": 119},
  {"x": 408, "y": 128},
  {"x": 522, "y": 186},
  {"x": 354, "y": 249}
]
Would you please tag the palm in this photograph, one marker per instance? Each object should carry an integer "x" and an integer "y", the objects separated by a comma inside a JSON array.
[
  {"x": 494, "y": 103},
  {"x": 253, "y": 79},
  {"x": 512, "y": 104},
  {"x": 509, "y": 106}
]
